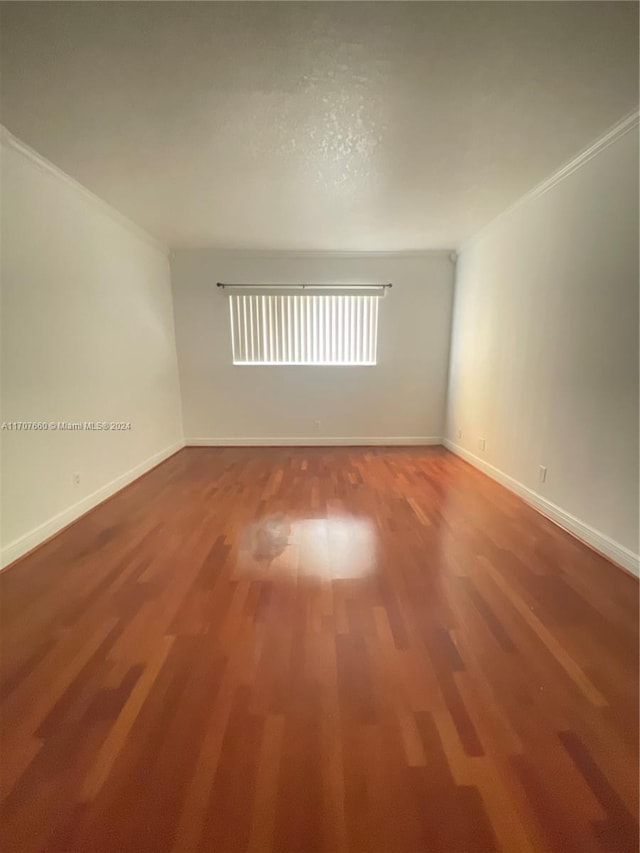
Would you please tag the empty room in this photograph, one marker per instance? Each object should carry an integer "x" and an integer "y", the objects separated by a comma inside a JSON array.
[{"x": 320, "y": 433}]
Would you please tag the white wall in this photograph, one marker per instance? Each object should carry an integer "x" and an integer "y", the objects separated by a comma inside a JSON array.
[
  {"x": 401, "y": 399},
  {"x": 544, "y": 360},
  {"x": 87, "y": 335}
]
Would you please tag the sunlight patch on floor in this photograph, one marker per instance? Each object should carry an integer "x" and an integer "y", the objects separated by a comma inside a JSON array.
[{"x": 339, "y": 547}]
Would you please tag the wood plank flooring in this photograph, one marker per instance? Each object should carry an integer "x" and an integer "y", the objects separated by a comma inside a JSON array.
[{"x": 311, "y": 649}]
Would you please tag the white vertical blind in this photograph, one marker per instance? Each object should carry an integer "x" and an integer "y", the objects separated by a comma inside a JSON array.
[{"x": 303, "y": 329}]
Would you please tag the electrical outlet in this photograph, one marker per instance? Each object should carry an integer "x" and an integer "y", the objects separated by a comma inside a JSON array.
[
  {"x": 482, "y": 443},
  {"x": 459, "y": 433},
  {"x": 76, "y": 479},
  {"x": 316, "y": 426},
  {"x": 542, "y": 473}
]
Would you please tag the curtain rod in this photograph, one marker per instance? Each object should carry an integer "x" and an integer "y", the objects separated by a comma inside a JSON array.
[{"x": 305, "y": 286}]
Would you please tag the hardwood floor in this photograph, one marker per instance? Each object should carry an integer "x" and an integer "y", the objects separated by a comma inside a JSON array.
[{"x": 376, "y": 650}]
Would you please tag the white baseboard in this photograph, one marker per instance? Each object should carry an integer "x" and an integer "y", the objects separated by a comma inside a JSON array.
[
  {"x": 44, "y": 531},
  {"x": 616, "y": 552},
  {"x": 315, "y": 441}
]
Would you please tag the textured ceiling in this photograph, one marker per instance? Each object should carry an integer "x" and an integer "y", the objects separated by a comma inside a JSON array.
[{"x": 338, "y": 126}]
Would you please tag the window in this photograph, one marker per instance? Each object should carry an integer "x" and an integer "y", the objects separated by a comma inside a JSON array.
[{"x": 304, "y": 329}]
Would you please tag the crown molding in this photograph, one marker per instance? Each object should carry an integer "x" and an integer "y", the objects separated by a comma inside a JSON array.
[
  {"x": 8, "y": 140},
  {"x": 620, "y": 129},
  {"x": 258, "y": 254}
]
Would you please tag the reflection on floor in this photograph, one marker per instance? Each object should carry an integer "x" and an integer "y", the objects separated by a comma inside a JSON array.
[{"x": 336, "y": 547}]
